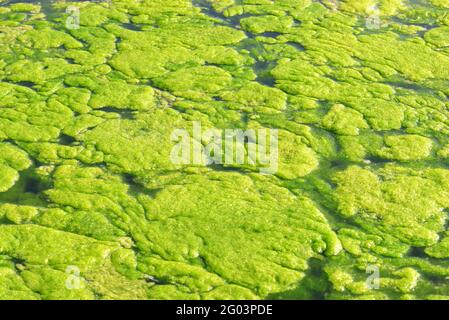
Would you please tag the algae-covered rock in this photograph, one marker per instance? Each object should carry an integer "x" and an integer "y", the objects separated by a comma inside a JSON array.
[
  {"x": 235, "y": 226},
  {"x": 438, "y": 36},
  {"x": 344, "y": 121},
  {"x": 410, "y": 206},
  {"x": 405, "y": 148}
]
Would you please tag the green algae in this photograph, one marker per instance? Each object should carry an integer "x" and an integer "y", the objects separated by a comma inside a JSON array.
[
  {"x": 87, "y": 185},
  {"x": 344, "y": 121},
  {"x": 438, "y": 37}
]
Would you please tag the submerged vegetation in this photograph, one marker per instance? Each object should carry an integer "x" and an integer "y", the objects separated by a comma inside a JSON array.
[{"x": 91, "y": 207}]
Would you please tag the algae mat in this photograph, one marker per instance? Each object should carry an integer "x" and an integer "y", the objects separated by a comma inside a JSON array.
[{"x": 93, "y": 207}]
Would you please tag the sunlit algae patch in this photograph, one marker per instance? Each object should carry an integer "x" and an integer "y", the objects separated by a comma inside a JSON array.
[{"x": 92, "y": 207}]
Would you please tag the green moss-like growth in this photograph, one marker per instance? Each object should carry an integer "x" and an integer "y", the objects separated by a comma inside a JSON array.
[
  {"x": 93, "y": 207},
  {"x": 344, "y": 121}
]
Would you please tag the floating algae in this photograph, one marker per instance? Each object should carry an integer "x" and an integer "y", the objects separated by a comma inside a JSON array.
[{"x": 92, "y": 207}]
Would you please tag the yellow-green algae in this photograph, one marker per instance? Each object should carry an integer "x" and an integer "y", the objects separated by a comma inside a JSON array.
[{"x": 86, "y": 180}]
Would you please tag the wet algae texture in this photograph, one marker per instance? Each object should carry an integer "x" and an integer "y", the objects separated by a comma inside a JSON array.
[{"x": 92, "y": 207}]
